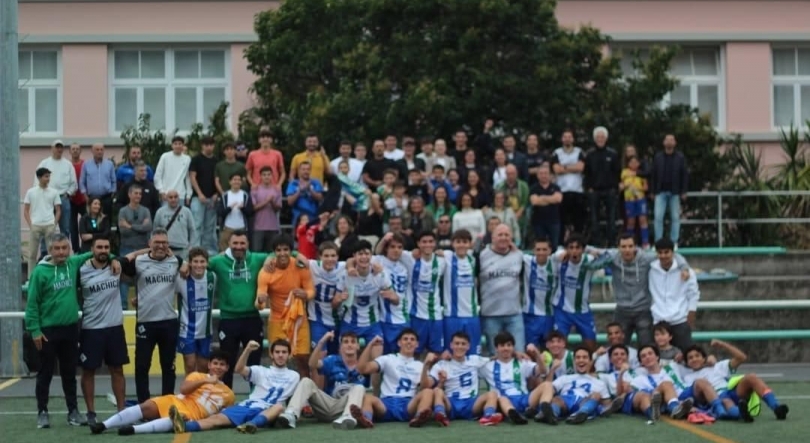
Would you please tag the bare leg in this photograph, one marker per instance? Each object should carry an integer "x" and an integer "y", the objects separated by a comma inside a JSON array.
[
  {"x": 190, "y": 363},
  {"x": 89, "y": 389},
  {"x": 119, "y": 386}
]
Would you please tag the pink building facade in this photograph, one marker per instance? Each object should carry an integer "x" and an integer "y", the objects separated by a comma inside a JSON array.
[{"x": 89, "y": 68}]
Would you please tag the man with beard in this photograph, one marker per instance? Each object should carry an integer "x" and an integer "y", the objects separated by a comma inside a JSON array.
[
  {"x": 102, "y": 336},
  {"x": 126, "y": 172}
]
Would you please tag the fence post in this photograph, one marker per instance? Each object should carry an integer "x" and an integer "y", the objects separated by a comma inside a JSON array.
[{"x": 720, "y": 219}]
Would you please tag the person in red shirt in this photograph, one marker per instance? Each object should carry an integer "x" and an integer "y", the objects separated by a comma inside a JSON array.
[{"x": 78, "y": 202}]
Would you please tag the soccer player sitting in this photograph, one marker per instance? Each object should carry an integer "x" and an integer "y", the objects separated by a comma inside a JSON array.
[
  {"x": 401, "y": 374},
  {"x": 509, "y": 377},
  {"x": 344, "y": 386},
  {"x": 615, "y": 336},
  {"x": 556, "y": 351},
  {"x": 202, "y": 395},
  {"x": 455, "y": 386},
  {"x": 195, "y": 300},
  {"x": 661, "y": 384},
  {"x": 272, "y": 386},
  {"x": 662, "y": 332},
  {"x": 619, "y": 378},
  {"x": 734, "y": 395},
  {"x": 577, "y": 395}
]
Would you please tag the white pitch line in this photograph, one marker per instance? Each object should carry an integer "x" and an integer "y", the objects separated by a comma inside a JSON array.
[{"x": 771, "y": 375}]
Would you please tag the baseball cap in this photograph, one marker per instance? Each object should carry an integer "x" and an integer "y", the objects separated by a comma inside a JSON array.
[{"x": 57, "y": 142}]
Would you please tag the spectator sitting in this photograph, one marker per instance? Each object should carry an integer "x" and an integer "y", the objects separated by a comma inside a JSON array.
[
  {"x": 444, "y": 233},
  {"x": 441, "y": 204},
  {"x": 481, "y": 195},
  {"x": 486, "y": 239},
  {"x": 93, "y": 224},
  {"x": 370, "y": 222},
  {"x": 504, "y": 214},
  {"x": 344, "y": 237},
  {"x": 416, "y": 185},
  {"x": 469, "y": 218},
  {"x": 395, "y": 226},
  {"x": 499, "y": 171},
  {"x": 453, "y": 185},
  {"x": 440, "y": 157},
  {"x": 417, "y": 219}
]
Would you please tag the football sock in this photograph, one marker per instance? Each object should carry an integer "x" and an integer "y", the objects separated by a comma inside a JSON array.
[
  {"x": 589, "y": 406},
  {"x": 193, "y": 426},
  {"x": 128, "y": 416},
  {"x": 159, "y": 426},
  {"x": 645, "y": 235},
  {"x": 770, "y": 399},
  {"x": 260, "y": 421},
  {"x": 555, "y": 408},
  {"x": 733, "y": 413},
  {"x": 438, "y": 409},
  {"x": 489, "y": 411},
  {"x": 717, "y": 408}
]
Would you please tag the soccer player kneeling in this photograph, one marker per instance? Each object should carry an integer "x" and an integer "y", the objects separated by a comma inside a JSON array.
[
  {"x": 201, "y": 396},
  {"x": 272, "y": 386}
]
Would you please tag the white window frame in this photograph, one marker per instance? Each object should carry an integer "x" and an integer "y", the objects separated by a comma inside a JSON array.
[
  {"x": 796, "y": 81},
  {"x": 32, "y": 85},
  {"x": 169, "y": 83},
  {"x": 694, "y": 81}
]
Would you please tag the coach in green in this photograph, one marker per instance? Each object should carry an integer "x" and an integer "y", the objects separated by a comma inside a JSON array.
[{"x": 52, "y": 319}]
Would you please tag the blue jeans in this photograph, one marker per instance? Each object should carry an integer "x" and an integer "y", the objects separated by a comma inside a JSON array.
[
  {"x": 663, "y": 202},
  {"x": 123, "y": 286},
  {"x": 512, "y": 324},
  {"x": 205, "y": 223}
]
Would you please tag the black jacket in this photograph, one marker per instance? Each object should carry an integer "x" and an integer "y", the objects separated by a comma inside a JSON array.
[
  {"x": 602, "y": 169},
  {"x": 150, "y": 197},
  {"x": 225, "y": 206},
  {"x": 680, "y": 173}
]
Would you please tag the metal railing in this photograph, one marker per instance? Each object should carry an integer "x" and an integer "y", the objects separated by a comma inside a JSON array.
[{"x": 721, "y": 221}]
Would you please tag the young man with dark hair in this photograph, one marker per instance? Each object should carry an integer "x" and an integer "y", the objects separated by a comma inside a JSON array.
[
  {"x": 674, "y": 299},
  {"x": 539, "y": 282},
  {"x": 195, "y": 299},
  {"x": 576, "y": 396},
  {"x": 202, "y": 174},
  {"x": 266, "y": 199},
  {"x": 235, "y": 210},
  {"x": 572, "y": 296},
  {"x": 172, "y": 171},
  {"x": 426, "y": 294},
  {"x": 615, "y": 336},
  {"x": 461, "y": 304},
  {"x": 397, "y": 265}
]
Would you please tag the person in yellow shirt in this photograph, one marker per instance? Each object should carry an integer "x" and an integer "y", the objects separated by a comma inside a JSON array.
[
  {"x": 201, "y": 395},
  {"x": 315, "y": 155},
  {"x": 635, "y": 201},
  {"x": 286, "y": 289}
]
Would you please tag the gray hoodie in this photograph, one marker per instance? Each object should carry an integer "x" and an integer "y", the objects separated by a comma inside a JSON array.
[{"x": 630, "y": 279}]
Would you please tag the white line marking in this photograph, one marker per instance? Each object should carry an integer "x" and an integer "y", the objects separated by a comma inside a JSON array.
[{"x": 771, "y": 375}]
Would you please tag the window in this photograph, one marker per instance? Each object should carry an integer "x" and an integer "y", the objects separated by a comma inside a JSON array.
[
  {"x": 39, "y": 104},
  {"x": 701, "y": 79},
  {"x": 791, "y": 86},
  {"x": 177, "y": 88}
]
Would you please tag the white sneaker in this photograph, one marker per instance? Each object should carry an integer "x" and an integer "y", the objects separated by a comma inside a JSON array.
[
  {"x": 285, "y": 421},
  {"x": 346, "y": 422}
]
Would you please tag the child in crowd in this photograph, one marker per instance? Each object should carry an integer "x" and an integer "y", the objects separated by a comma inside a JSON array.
[
  {"x": 635, "y": 201},
  {"x": 663, "y": 339}
]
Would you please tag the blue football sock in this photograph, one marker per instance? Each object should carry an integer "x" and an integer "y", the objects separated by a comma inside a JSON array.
[
  {"x": 489, "y": 411},
  {"x": 555, "y": 408},
  {"x": 260, "y": 421},
  {"x": 649, "y": 413},
  {"x": 589, "y": 406},
  {"x": 368, "y": 415},
  {"x": 717, "y": 408},
  {"x": 438, "y": 409},
  {"x": 193, "y": 426},
  {"x": 645, "y": 236},
  {"x": 770, "y": 400},
  {"x": 733, "y": 413},
  {"x": 672, "y": 404}
]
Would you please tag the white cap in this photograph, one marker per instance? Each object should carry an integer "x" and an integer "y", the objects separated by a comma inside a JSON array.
[{"x": 57, "y": 142}]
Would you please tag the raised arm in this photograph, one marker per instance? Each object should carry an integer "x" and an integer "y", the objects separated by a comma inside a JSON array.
[
  {"x": 241, "y": 364},
  {"x": 365, "y": 365},
  {"x": 738, "y": 357}
]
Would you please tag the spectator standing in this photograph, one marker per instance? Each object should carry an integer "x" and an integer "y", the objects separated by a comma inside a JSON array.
[
  {"x": 172, "y": 172},
  {"x": 484, "y": 143},
  {"x": 360, "y": 152},
  {"x": 150, "y": 198},
  {"x": 409, "y": 160},
  {"x": 179, "y": 222},
  {"x": 98, "y": 178},
  {"x": 391, "y": 151},
  {"x": 440, "y": 204},
  {"x": 304, "y": 193},
  {"x": 227, "y": 167},
  {"x": 266, "y": 200},
  {"x": 202, "y": 174},
  {"x": 545, "y": 198},
  {"x": 602, "y": 173},
  {"x": 78, "y": 203},
  {"x": 395, "y": 226},
  {"x": 500, "y": 267},
  {"x": 126, "y": 171},
  {"x": 344, "y": 237},
  {"x": 94, "y": 224},
  {"x": 670, "y": 183},
  {"x": 444, "y": 232},
  {"x": 426, "y": 153},
  {"x": 235, "y": 210},
  {"x": 51, "y": 317},
  {"x": 477, "y": 189},
  {"x": 515, "y": 157},
  {"x": 568, "y": 163},
  {"x": 315, "y": 156},
  {"x": 42, "y": 210},
  {"x": 375, "y": 167},
  {"x": 505, "y": 214},
  {"x": 634, "y": 188},
  {"x": 516, "y": 192},
  {"x": 441, "y": 158},
  {"x": 355, "y": 173},
  {"x": 134, "y": 226},
  {"x": 266, "y": 155},
  {"x": 242, "y": 152},
  {"x": 417, "y": 218},
  {"x": 673, "y": 299},
  {"x": 460, "y": 147},
  {"x": 62, "y": 180},
  {"x": 499, "y": 168},
  {"x": 534, "y": 158},
  {"x": 470, "y": 218}
]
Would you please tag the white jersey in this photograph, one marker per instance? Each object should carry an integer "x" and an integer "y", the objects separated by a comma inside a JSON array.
[
  {"x": 426, "y": 296},
  {"x": 611, "y": 379},
  {"x": 574, "y": 286},
  {"x": 398, "y": 272},
  {"x": 650, "y": 382},
  {"x": 460, "y": 295},
  {"x": 717, "y": 375},
  {"x": 509, "y": 378},
  {"x": 581, "y": 386},
  {"x": 538, "y": 286},
  {"x": 362, "y": 308},
  {"x": 567, "y": 366},
  {"x": 319, "y": 309},
  {"x": 271, "y": 386},
  {"x": 195, "y": 299},
  {"x": 462, "y": 376},
  {"x": 603, "y": 364},
  {"x": 400, "y": 375}
]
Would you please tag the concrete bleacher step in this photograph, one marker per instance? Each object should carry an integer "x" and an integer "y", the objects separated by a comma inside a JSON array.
[
  {"x": 788, "y": 263},
  {"x": 756, "y": 287}
]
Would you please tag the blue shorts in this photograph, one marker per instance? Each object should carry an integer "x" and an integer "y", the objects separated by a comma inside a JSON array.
[
  {"x": 571, "y": 403},
  {"x": 390, "y": 333},
  {"x": 316, "y": 332},
  {"x": 431, "y": 334},
  {"x": 635, "y": 208},
  {"x": 519, "y": 402},
  {"x": 582, "y": 322},
  {"x": 366, "y": 333},
  {"x": 537, "y": 327},
  {"x": 730, "y": 394},
  {"x": 468, "y": 325},
  {"x": 396, "y": 408},
  {"x": 239, "y": 415},
  {"x": 627, "y": 406},
  {"x": 200, "y": 346},
  {"x": 461, "y": 409},
  {"x": 689, "y": 393}
]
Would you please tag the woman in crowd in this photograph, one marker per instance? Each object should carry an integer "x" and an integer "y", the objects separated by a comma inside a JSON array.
[{"x": 93, "y": 224}]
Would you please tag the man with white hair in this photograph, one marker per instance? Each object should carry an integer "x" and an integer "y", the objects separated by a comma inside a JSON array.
[
  {"x": 500, "y": 266},
  {"x": 602, "y": 172}
]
